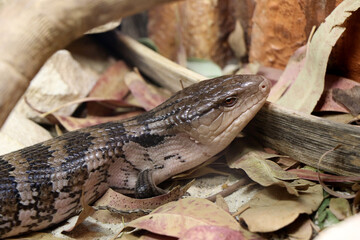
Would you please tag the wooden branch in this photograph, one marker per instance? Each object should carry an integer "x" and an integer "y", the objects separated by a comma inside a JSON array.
[
  {"x": 301, "y": 136},
  {"x": 32, "y": 30},
  {"x": 306, "y": 138},
  {"x": 162, "y": 70}
]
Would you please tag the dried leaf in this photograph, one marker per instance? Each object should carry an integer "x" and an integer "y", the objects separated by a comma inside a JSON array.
[
  {"x": 175, "y": 218},
  {"x": 273, "y": 208},
  {"x": 111, "y": 84},
  {"x": 340, "y": 207},
  {"x": 87, "y": 211},
  {"x": 293, "y": 67},
  {"x": 287, "y": 162},
  {"x": 345, "y": 118},
  {"x": 114, "y": 102},
  {"x": 220, "y": 201},
  {"x": 300, "y": 229},
  {"x": 246, "y": 157},
  {"x": 303, "y": 98},
  {"x": 199, "y": 172},
  {"x": 147, "y": 95},
  {"x": 38, "y": 236},
  {"x": 126, "y": 204},
  {"x": 327, "y": 102},
  {"x": 350, "y": 98},
  {"x": 73, "y": 123},
  {"x": 212, "y": 233}
]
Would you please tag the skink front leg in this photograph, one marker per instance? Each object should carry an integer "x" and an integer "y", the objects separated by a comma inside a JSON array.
[{"x": 145, "y": 186}]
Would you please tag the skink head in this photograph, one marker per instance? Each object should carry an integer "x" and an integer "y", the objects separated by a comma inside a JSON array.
[{"x": 214, "y": 111}]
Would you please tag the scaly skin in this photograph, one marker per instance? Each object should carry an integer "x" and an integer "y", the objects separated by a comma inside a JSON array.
[{"x": 41, "y": 185}]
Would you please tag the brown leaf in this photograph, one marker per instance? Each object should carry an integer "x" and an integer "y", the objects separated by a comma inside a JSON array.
[
  {"x": 120, "y": 204},
  {"x": 303, "y": 98},
  {"x": 73, "y": 123},
  {"x": 253, "y": 161},
  {"x": 300, "y": 229},
  {"x": 326, "y": 102},
  {"x": 293, "y": 67},
  {"x": 350, "y": 98},
  {"x": 220, "y": 201},
  {"x": 87, "y": 211},
  {"x": 212, "y": 233},
  {"x": 111, "y": 84},
  {"x": 175, "y": 218},
  {"x": 148, "y": 96},
  {"x": 274, "y": 208}
]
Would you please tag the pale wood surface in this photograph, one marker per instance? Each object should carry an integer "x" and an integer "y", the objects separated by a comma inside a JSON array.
[
  {"x": 32, "y": 30},
  {"x": 301, "y": 136},
  {"x": 306, "y": 138}
]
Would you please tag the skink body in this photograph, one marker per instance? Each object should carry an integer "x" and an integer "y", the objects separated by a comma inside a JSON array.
[{"x": 41, "y": 185}]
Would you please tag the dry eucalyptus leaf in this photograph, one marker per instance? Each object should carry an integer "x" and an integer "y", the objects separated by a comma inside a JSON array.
[
  {"x": 327, "y": 102},
  {"x": 274, "y": 208},
  {"x": 111, "y": 83},
  {"x": 148, "y": 96},
  {"x": 38, "y": 236},
  {"x": 73, "y": 123},
  {"x": 350, "y": 98},
  {"x": 212, "y": 233},
  {"x": 340, "y": 207},
  {"x": 300, "y": 229},
  {"x": 312, "y": 75},
  {"x": 220, "y": 201},
  {"x": 247, "y": 157},
  {"x": 175, "y": 218},
  {"x": 55, "y": 85},
  {"x": 293, "y": 67},
  {"x": 86, "y": 211},
  {"x": 124, "y": 203},
  {"x": 19, "y": 132}
]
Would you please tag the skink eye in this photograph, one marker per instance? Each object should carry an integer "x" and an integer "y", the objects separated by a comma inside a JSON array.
[{"x": 230, "y": 101}]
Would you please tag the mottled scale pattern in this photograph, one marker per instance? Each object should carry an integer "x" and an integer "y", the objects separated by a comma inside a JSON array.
[{"x": 41, "y": 185}]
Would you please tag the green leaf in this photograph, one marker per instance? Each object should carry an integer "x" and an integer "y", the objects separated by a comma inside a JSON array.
[
  {"x": 204, "y": 67},
  {"x": 148, "y": 43}
]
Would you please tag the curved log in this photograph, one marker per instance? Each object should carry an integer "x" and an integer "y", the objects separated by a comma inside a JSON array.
[{"x": 32, "y": 30}]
